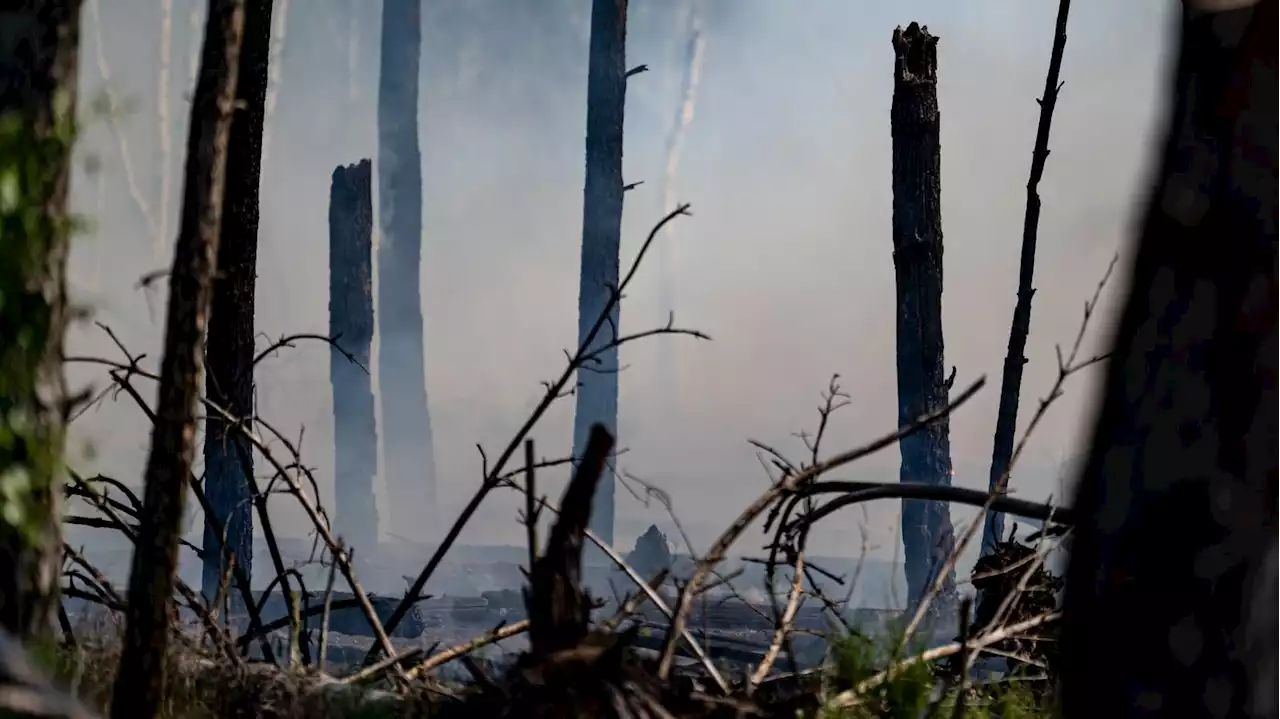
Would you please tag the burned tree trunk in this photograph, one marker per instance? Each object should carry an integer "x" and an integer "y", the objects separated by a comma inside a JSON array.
[
  {"x": 39, "y": 42},
  {"x": 1174, "y": 548},
  {"x": 1011, "y": 380},
  {"x": 559, "y": 611},
  {"x": 228, "y": 457},
  {"x": 597, "y": 392},
  {"x": 140, "y": 680},
  {"x": 355, "y": 430},
  {"x": 927, "y": 537},
  {"x": 408, "y": 452}
]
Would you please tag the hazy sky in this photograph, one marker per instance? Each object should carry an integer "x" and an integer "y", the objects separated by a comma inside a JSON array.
[{"x": 786, "y": 261}]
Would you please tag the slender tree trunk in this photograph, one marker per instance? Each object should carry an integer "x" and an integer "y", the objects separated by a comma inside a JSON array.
[
  {"x": 1011, "y": 382},
  {"x": 927, "y": 536},
  {"x": 39, "y": 42},
  {"x": 140, "y": 680},
  {"x": 408, "y": 453},
  {"x": 355, "y": 430},
  {"x": 1176, "y": 508},
  {"x": 228, "y": 456},
  {"x": 597, "y": 392}
]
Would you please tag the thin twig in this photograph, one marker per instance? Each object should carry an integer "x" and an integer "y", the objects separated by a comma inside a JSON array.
[
  {"x": 373, "y": 671},
  {"x": 504, "y": 631},
  {"x": 786, "y": 485},
  {"x": 1065, "y": 369},
  {"x": 784, "y": 626},
  {"x": 555, "y": 390},
  {"x": 324, "y": 616},
  {"x": 850, "y": 697}
]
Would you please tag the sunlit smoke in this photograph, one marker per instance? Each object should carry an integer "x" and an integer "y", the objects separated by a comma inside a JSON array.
[
  {"x": 667, "y": 255},
  {"x": 280, "y": 24}
]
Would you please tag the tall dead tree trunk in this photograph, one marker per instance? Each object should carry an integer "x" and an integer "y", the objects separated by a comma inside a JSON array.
[
  {"x": 597, "y": 392},
  {"x": 408, "y": 452},
  {"x": 140, "y": 679},
  {"x": 355, "y": 429},
  {"x": 927, "y": 536},
  {"x": 39, "y": 42},
  {"x": 1011, "y": 380},
  {"x": 1166, "y": 606},
  {"x": 228, "y": 456}
]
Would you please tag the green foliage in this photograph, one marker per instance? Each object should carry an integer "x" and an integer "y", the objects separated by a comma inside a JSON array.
[
  {"x": 30, "y": 449},
  {"x": 916, "y": 690},
  {"x": 904, "y": 694}
]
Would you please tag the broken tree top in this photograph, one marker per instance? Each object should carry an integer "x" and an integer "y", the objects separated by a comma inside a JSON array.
[{"x": 916, "y": 54}]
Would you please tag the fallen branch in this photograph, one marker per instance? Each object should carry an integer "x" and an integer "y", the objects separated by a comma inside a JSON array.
[
  {"x": 856, "y": 492},
  {"x": 505, "y": 631}
]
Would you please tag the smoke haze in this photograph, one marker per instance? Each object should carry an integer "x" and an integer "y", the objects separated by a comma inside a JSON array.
[{"x": 786, "y": 261}]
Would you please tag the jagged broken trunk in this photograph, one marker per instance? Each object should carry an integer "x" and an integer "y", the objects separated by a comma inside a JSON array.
[
  {"x": 597, "y": 392},
  {"x": 408, "y": 452},
  {"x": 228, "y": 456},
  {"x": 927, "y": 536},
  {"x": 355, "y": 433}
]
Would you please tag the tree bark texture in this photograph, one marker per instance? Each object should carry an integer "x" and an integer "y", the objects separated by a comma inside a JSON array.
[
  {"x": 139, "y": 683},
  {"x": 1011, "y": 379},
  {"x": 1166, "y": 608},
  {"x": 355, "y": 430},
  {"x": 408, "y": 452},
  {"x": 597, "y": 390},
  {"x": 228, "y": 456},
  {"x": 39, "y": 44},
  {"x": 927, "y": 536}
]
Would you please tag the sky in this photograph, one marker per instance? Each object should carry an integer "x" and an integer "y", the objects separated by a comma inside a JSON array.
[{"x": 786, "y": 261}]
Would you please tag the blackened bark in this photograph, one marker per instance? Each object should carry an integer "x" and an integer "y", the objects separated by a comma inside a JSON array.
[
  {"x": 1011, "y": 381},
  {"x": 1176, "y": 507},
  {"x": 355, "y": 430},
  {"x": 927, "y": 536},
  {"x": 39, "y": 43},
  {"x": 597, "y": 391},
  {"x": 229, "y": 382},
  {"x": 408, "y": 452},
  {"x": 140, "y": 679},
  {"x": 559, "y": 611}
]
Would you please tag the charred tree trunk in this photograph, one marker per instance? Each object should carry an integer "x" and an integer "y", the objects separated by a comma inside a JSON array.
[
  {"x": 1176, "y": 507},
  {"x": 927, "y": 537},
  {"x": 597, "y": 391},
  {"x": 39, "y": 42},
  {"x": 559, "y": 611},
  {"x": 228, "y": 456},
  {"x": 355, "y": 429},
  {"x": 140, "y": 680},
  {"x": 408, "y": 452},
  {"x": 1011, "y": 381}
]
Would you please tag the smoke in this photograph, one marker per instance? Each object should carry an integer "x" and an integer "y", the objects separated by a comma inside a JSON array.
[
  {"x": 786, "y": 262},
  {"x": 668, "y": 250}
]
